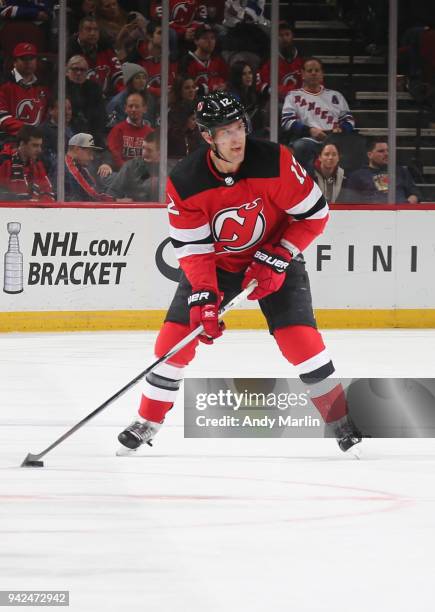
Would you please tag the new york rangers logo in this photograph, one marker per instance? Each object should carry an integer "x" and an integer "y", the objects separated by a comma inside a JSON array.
[{"x": 239, "y": 228}]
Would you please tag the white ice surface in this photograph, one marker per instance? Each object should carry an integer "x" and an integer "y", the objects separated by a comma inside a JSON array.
[{"x": 208, "y": 525}]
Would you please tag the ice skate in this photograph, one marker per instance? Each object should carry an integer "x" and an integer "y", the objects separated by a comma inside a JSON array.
[
  {"x": 139, "y": 432},
  {"x": 346, "y": 433}
]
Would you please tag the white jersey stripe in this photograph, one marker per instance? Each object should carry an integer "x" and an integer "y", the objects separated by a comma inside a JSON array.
[
  {"x": 169, "y": 371},
  {"x": 306, "y": 204},
  {"x": 156, "y": 393},
  {"x": 194, "y": 249},
  {"x": 313, "y": 363},
  {"x": 289, "y": 246},
  {"x": 190, "y": 235}
]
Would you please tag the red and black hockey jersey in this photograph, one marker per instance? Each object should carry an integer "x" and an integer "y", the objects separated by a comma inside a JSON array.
[
  {"x": 104, "y": 66},
  {"x": 182, "y": 14},
  {"x": 289, "y": 75},
  {"x": 207, "y": 74},
  {"x": 25, "y": 180},
  {"x": 125, "y": 141},
  {"x": 220, "y": 220},
  {"x": 20, "y": 104},
  {"x": 152, "y": 66}
]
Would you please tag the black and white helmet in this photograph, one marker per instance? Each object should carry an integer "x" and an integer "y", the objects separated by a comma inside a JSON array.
[{"x": 218, "y": 109}]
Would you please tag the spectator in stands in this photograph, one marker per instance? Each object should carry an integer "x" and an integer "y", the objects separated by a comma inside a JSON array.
[
  {"x": 327, "y": 171},
  {"x": 207, "y": 68},
  {"x": 88, "y": 109},
  {"x": 183, "y": 20},
  {"x": 289, "y": 65},
  {"x": 151, "y": 61},
  {"x": 313, "y": 112},
  {"x": 183, "y": 134},
  {"x": 38, "y": 11},
  {"x": 49, "y": 133},
  {"x": 125, "y": 140},
  {"x": 104, "y": 66},
  {"x": 132, "y": 36},
  {"x": 77, "y": 10},
  {"x": 137, "y": 180},
  {"x": 247, "y": 32},
  {"x": 22, "y": 99},
  {"x": 369, "y": 185},
  {"x": 22, "y": 173},
  {"x": 80, "y": 184},
  {"x": 135, "y": 80},
  {"x": 111, "y": 18},
  {"x": 183, "y": 93},
  {"x": 242, "y": 83}
]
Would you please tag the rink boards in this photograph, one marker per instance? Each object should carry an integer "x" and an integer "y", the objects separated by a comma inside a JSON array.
[{"x": 75, "y": 268}]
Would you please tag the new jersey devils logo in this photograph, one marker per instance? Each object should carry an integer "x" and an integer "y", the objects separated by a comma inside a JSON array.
[
  {"x": 239, "y": 228},
  {"x": 29, "y": 112},
  {"x": 290, "y": 79}
]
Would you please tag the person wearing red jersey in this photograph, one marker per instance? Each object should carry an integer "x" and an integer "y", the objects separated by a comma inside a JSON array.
[
  {"x": 22, "y": 173},
  {"x": 183, "y": 17},
  {"x": 241, "y": 210},
  {"x": 151, "y": 63},
  {"x": 126, "y": 139},
  {"x": 104, "y": 66},
  {"x": 22, "y": 99},
  {"x": 207, "y": 69},
  {"x": 289, "y": 65}
]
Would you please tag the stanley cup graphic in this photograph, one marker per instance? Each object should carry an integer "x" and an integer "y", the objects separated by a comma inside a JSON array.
[{"x": 13, "y": 275}]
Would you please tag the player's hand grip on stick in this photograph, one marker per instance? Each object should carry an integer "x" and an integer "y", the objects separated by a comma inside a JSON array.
[
  {"x": 203, "y": 305},
  {"x": 34, "y": 460},
  {"x": 268, "y": 268}
]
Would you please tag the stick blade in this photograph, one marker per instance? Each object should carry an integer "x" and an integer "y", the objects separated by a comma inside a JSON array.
[{"x": 32, "y": 461}]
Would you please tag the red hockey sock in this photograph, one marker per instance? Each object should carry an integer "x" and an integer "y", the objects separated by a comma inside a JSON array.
[
  {"x": 161, "y": 385},
  {"x": 303, "y": 346},
  {"x": 300, "y": 344},
  {"x": 332, "y": 404}
]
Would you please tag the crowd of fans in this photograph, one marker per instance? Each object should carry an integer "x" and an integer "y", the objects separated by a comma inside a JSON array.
[{"x": 113, "y": 88}]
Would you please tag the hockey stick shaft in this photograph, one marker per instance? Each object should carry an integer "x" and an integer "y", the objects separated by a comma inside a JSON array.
[{"x": 177, "y": 347}]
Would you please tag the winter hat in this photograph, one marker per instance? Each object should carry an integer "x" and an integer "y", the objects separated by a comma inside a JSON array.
[{"x": 130, "y": 70}]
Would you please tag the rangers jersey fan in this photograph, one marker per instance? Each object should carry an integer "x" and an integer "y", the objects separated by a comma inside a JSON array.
[
  {"x": 218, "y": 220},
  {"x": 325, "y": 110}
]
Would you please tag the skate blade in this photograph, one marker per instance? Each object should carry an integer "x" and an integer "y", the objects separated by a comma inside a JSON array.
[
  {"x": 123, "y": 451},
  {"x": 356, "y": 452}
]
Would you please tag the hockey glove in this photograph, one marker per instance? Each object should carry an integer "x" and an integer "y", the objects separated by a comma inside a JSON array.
[
  {"x": 204, "y": 308},
  {"x": 268, "y": 268}
]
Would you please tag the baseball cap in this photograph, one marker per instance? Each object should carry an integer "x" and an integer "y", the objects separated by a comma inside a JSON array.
[
  {"x": 203, "y": 29},
  {"x": 24, "y": 48},
  {"x": 86, "y": 141}
]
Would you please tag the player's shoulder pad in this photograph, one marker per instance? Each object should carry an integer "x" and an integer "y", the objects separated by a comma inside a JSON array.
[
  {"x": 191, "y": 175},
  {"x": 262, "y": 159}
]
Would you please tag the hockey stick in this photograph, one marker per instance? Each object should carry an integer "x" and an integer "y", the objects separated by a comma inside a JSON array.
[{"x": 35, "y": 460}]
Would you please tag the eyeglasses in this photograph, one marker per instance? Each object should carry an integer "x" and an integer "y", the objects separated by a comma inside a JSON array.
[{"x": 78, "y": 69}]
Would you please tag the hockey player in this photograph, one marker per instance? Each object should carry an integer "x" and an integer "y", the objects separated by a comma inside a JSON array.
[{"x": 242, "y": 209}]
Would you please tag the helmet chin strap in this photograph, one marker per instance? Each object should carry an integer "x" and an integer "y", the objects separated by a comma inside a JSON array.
[{"x": 216, "y": 151}]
